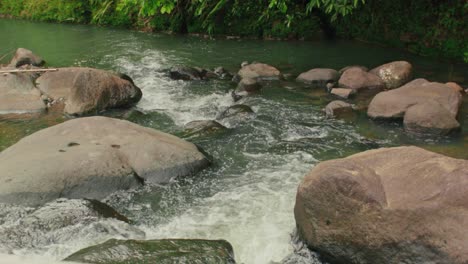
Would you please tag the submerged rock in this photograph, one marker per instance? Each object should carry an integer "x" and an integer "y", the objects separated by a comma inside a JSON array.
[
  {"x": 337, "y": 108},
  {"x": 18, "y": 95},
  {"x": 203, "y": 127},
  {"x": 87, "y": 90},
  {"x": 430, "y": 118},
  {"x": 357, "y": 79},
  {"x": 26, "y": 57},
  {"x": 165, "y": 251},
  {"x": 394, "y": 205},
  {"x": 222, "y": 73},
  {"x": 394, "y": 103},
  {"x": 259, "y": 71},
  {"x": 394, "y": 74},
  {"x": 58, "y": 221},
  {"x": 91, "y": 158},
  {"x": 319, "y": 77},
  {"x": 186, "y": 73},
  {"x": 237, "y": 112}
]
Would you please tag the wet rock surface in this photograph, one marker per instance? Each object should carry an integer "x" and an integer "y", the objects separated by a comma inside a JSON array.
[
  {"x": 91, "y": 158},
  {"x": 386, "y": 206},
  {"x": 157, "y": 251}
]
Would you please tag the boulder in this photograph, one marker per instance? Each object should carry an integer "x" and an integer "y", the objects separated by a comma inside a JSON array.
[
  {"x": 430, "y": 118},
  {"x": 259, "y": 71},
  {"x": 186, "y": 73},
  {"x": 357, "y": 79},
  {"x": 394, "y": 74},
  {"x": 336, "y": 108},
  {"x": 343, "y": 92},
  {"x": 87, "y": 90},
  {"x": 455, "y": 87},
  {"x": 91, "y": 158},
  {"x": 394, "y": 103},
  {"x": 18, "y": 95},
  {"x": 236, "y": 111},
  {"x": 63, "y": 220},
  {"x": 26, "y": 57},
  {"x": 319, "y": 77},
  {"x": 157, "y": 251},
  {"x": 353, "y": 66},
  {"x": 203, "y": 127},
  {"x": 391, "y": 205},
  {"x": 249, "y": 85}
]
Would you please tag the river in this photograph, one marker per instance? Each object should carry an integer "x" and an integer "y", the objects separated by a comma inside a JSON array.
[{"x": 247, "y": 196}]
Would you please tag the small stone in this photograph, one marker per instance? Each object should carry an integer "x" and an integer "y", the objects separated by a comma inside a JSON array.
[{"x": 343, "y": 92}]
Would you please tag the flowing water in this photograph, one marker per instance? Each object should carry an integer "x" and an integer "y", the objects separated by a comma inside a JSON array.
[{"x": 247, "y": 196}]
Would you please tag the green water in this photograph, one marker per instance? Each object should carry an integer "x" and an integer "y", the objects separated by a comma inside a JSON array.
[{"x": 247, "y": 196}]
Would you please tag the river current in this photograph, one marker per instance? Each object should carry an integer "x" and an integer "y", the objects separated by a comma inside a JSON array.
[{"x": 247, "y": 196}]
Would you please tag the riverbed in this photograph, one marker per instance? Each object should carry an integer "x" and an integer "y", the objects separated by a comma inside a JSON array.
[{"x": 247, "y": 196}]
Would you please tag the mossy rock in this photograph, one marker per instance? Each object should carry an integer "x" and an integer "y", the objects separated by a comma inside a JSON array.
[{"x": 157, "y": 251}]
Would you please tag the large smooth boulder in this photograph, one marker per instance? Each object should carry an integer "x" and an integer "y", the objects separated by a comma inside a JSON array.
[
  {"x": 394, "y": 74},
  {"x": 391, "y": 205},
  {"x": 357, "y": 79},
  {"x": 91, "y": 158},
  {"x": 319, "y": 77},
  {"x": 25, "y": 57},
  {"x": 394, "y": 103},
  {"x": 165, "y": 251},
  {"x": 18, "y": 95},
  {"x": 430, "y": 118},
  {"x": 259, "y": 71},
  {"x": 88, "y": 90}
]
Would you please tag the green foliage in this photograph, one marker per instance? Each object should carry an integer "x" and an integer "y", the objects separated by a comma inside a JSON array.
[{"x": 428, "y": 27}]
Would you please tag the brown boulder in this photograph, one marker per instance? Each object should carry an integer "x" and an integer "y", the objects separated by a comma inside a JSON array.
[
  {"x": 259, "y": 71},
  {"x": 430, "y": 118},
  {"x": 87, "y": 90},
  {"x": 394, "y": 103},
  {"x": 319, "y": 77},
  {"x": 394, "y": 74},
  {"x": 18, "y": 95},
  {"x": 394, "y": 205},
  {"x": 357, "y": 79},
  {"x": 455, "y": 87},
  {"x": 26, "y": 57}
]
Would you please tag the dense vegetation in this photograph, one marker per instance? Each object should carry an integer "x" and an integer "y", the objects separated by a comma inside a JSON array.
[{"x": 428, "y": 27}]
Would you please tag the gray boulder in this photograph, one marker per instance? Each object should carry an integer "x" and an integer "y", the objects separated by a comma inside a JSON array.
[
  {"x": 430, "y": 118},
  {"x": 357, "y": 79},
  {"x": 259, "y": 71},
  {"x": 337, "y": 108},
  {"x": 26, "y": 57},
  {"x": 395, "y": 205},
  {"x": 394, "y": 103},
  {"x": 87, "y": 90},
  {"x": 91, "y": 158},
  {"x": 394, "y": 74},
  {"x": 319, "y": 77},
  {"x": 236, "y": 111},
  {"x": 18, "y": 95},
  {"x": 186, "y": 73},
  {"x": 165, "y": 251}
]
